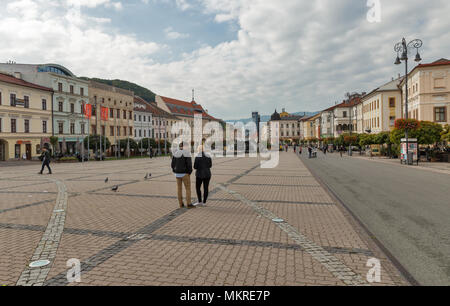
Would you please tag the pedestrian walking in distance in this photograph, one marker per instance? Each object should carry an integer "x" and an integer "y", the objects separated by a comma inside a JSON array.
[
  {"x": 203, "y": 165},
  {"x": 182, "y": 167},
  {"x": 45, "y": 157},
  {"x": 310, "y": 151}
]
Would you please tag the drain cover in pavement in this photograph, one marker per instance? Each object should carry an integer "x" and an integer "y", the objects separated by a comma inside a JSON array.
[
  {"x": 278, "y": 220},
  {"x": 39, "y": 263}
]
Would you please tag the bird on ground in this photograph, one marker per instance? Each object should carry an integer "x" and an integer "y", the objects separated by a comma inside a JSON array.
[
  {"x": 106, "y": 180},
  {"x": 148, "y": 176},
  {"x": 115, "y": 188}
]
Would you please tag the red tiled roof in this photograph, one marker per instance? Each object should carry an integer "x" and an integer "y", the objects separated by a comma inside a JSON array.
[
  {"x": 440, "y": 62},
  {"x": 152, "y": 108},
  {"x": 185, "y": 108},
  {"x": 13, "y": 80}
]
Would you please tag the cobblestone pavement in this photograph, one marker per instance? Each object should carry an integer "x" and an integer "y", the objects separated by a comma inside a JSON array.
[{"x": 139, "y": 236}]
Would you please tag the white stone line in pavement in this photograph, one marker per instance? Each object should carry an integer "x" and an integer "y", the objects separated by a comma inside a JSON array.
[
  {"x": 48, "y": 246},
  {"x": 331, "y": 263}
]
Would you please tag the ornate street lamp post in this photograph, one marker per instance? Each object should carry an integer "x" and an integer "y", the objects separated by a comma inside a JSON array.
[{"x": 404, "y": 48}]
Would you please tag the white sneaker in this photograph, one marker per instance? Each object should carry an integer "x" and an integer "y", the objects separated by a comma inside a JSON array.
[{"x": 197, "y": 204}]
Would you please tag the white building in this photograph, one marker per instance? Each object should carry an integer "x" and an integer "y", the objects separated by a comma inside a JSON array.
[{"x": 69, "y": 95}]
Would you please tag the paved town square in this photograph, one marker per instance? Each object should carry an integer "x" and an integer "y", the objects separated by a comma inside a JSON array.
[{"x": 139, "y": 235}]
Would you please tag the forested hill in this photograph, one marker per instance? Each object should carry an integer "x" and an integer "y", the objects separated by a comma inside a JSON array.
[{"x": 140, "y": 91}]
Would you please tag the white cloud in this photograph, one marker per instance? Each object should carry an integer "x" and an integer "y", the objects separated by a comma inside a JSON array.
[
  {"x": 171, "y": 34},
  {"x": 301, "y": 55}
]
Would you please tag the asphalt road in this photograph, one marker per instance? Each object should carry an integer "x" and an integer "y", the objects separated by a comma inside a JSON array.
[{"x": 405, "y": 208}]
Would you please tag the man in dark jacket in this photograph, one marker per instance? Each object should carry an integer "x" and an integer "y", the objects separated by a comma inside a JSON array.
[
  {"x": 182, "y": 167},
  {"x": 203, "y": 165},
  {"x": 45, "y": 157}
]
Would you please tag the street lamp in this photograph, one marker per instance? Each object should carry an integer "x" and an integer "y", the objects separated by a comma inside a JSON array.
[{"x": 404, "y": 48}]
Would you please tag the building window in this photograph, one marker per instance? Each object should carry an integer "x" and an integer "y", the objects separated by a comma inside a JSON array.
[
  {"x": 71, "y": 89},
  {"x": 130, "y": 115},
  {"x": 44, "y": 127},
  {"x": 44, "y": 104},
  {"x": 94, "y": 110},
  {"x": 140, "y": 133},
  {"x": 61, "y": 128},
  {"x": 134, "y": 117},
  {"x": 60, "y": 87},
  {"x": 13, "y": 126},
  {"x": 111, "y": 131},
  {"x": 0, "y": 125},
  {"x": 111, "y": 113},
  {"x": 345, "y": 115},
  {"x": 103, "y": 130},
  {"x": 125, "y": 131},
  {"x": 118, "y": 114},
  {"x": 82, "y": 91},
  {"x": 131, "y": 131},
  {"x": 135, "y": 133},
  {"x": 392, "y": 102},
  {"x": 26, "y": 125},
  {"x": 392, "y": 120},
  {"x": 145, "y": 118},
  {"x": 0, "y": 98},
  {"x": 72, "y": 108},
  {"x": 12, "y": 100},
  {"x": 72, "y": 128},
  {"x": 26, "y": 100},
  {"x": 125, "y": 114},
  {"x": 145, "y": 133},
  {"x": 440, "y": 114},
  {"x": 82, "y": 129},
  {"x": 60, "y": 107}
]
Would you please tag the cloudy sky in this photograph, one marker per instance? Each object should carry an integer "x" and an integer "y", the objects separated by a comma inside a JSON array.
[{"x": 239, "y": 55}]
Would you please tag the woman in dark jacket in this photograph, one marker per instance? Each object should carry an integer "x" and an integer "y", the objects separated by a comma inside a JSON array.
[{"x": 203, "y": 165}]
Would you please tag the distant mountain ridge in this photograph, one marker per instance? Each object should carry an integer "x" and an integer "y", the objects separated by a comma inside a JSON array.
[
  {"x": 138, "y": 90},
  {"x": 266, "y": 118}
]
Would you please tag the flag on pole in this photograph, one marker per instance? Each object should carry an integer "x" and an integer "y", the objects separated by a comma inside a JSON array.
[
  {"x": 104, "y": 113},
  {"x": 88, "y": 110}
]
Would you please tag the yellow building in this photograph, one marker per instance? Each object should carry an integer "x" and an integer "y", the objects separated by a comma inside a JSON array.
[
  {"x": 381, "y": 107},
  {"x": 429, "y": 92},
  {"x": 25, "y": 118},
  {"x": 119, "y": 103}
]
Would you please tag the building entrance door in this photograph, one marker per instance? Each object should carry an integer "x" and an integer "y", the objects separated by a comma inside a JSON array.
[{"x": 28, "y": 151}]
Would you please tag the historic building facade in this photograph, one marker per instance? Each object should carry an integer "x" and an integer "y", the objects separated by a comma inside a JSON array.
[
  {"x": 428, "y": 92},
  {"x": 289, "y": 126},
  {"x": 70, "y": 94},
  {"x": 112, "y": 113},
  {"x": 25, "y": 118},
  {"x": 381, "y": 107},
  {"x": 185, "y": 111}
]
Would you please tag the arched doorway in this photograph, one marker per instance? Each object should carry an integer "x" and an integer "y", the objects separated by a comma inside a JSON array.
[{"x": 3, "y": 145}]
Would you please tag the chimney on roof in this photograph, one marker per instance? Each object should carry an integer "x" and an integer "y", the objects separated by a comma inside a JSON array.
[{"x": 18, "y": 75}]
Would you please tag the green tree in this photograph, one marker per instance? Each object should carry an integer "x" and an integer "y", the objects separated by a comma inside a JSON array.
[
  {"x": 429, "y": 133},
  {"x": 445, "y": 134},
  {"x": 124, "y": 144},
  {"x": 382, "y": 138},
  {"x": 94, "y": 142},
  {"x": 143, "y": 143},
  {"x": 366, "y": 140},
  {"x": 54, "y": 143}
]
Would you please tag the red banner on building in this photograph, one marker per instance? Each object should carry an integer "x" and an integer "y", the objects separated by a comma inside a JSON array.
[
  {"x": 104, "y": 115},
  {"x": 88, "y": 110}
]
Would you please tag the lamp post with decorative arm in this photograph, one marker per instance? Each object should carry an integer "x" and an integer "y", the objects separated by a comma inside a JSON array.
[{"x": 404, "y": 48}]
